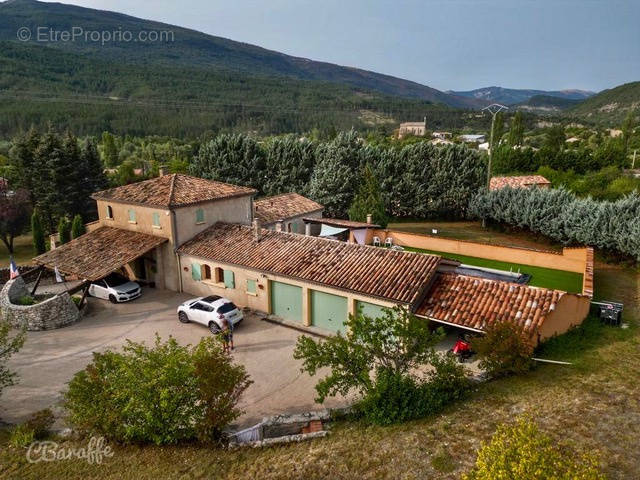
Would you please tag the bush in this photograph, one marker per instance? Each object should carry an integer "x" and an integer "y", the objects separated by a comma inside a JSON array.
[
  {"x": 77, "y": 227},
  {"x": 26, "y": 300},
  {"x": 36, "y": 428},
  {"x": 522, "y": 451},
  {"x": 503, "y": 350},
  {"x": 397, "y": 398},
  {"x": 163, "y": 394}
]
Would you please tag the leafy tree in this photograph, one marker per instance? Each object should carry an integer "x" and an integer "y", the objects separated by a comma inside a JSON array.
[
  {"x": 332, "y": 184},
  {"x": 516, "y": 132},
  {"x": 628, "y": 127},
  {"x": 163, "y": 394},
  {"x": 554, "y": 139},
  {"x": 15, "y": 209},
  {"x": 109, "y": 150},
  {"x": 37, "y": 232},
  {"x": 368, "y": 200},
  {"x": 236, "y": 159},
  {"x": 64, "y": 230},
  {"x": 77, "y": 227},
  {"x": 9, "y": 344},
  {"x": 397, "y": 342},
  {"x": 289, "y": 163},
  {"x": 523, "y": 451},
  {"x": 503, "y": 350}
]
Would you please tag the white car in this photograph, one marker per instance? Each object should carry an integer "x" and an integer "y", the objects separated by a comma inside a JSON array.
[
  {"x": 115, "y": 288},
  {"x": 210, "y": 311}
]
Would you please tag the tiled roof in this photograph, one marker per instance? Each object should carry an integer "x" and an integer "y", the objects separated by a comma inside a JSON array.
[
  {"x": 280, "y": 207},
  {"x": 518, "y": 182},
  {"x": 98, "y": 253},
  {"x": 340, "y": 223},
  {"x": 396, "y": 276},
  {"x": 170, "y": 191},
  {"x": 477, "y": 302}
]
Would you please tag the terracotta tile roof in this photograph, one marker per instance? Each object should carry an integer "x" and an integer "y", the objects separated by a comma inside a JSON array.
[
  {"x": 518, "y": 182},
  {"x": 477, "y": 302},
  {"x": 340, "y": 223},
  {"x": 396, "y": 276},
  {"x": 280, "y": 207},
  {"x": 174, "y": 190},
  {"x": 98, "y": 253}
]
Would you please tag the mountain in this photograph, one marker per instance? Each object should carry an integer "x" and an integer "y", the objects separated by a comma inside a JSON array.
[
  {"x": 546, "y": 104},
  {"x": 192, "y": 49},
  {"x": 512, "y": 96},
  {"x": 610, "y": 106}
]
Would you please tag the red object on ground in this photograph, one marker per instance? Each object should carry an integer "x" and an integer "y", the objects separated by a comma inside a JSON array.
[{"x": 461, "y": 346}]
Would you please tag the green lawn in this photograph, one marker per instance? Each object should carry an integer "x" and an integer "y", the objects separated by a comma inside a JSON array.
[
  {"x": 540, "y": 277},
  {"x": 22, "y": 251}
]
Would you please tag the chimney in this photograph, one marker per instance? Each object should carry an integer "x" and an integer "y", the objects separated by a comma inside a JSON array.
[
  {"x": 369, "y": 218},
  {"x": 257, "y": 232},
  {"x": 163, "y": 170},
  {"x": 279, "y": 226}
]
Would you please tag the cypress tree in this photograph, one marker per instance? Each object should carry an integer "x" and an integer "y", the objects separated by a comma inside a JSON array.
[
  {"x": 516, "y": 132},
  {"x": 39, "y": 244},
  {"x": 368, "y": 200},
  {"x": 77, "y": 227},
  {"x": 64, "y": 230}
]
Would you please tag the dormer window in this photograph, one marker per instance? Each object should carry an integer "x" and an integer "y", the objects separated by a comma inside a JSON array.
[
  {"x": 109, "y": 212},
  {"x": 199, "y": 216}
]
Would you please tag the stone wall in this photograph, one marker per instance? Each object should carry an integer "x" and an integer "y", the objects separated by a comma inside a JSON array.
[{"x": 54, "y": 312}]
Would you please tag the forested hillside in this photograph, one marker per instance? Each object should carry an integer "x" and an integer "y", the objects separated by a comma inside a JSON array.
[{"x": 610, "y": 106}]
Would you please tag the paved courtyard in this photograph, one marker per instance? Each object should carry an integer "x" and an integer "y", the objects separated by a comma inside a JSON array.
[{"x": 49, "y": 359}]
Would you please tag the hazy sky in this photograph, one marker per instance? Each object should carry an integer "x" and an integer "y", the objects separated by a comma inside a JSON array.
[{"x": 446, "y": 44}]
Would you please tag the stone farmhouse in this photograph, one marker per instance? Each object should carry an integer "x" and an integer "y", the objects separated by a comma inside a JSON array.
[{"x": 203, "y": 237}]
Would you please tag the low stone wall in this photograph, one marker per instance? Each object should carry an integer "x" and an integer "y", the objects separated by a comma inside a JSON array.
[{"x": 54, "y": 312}]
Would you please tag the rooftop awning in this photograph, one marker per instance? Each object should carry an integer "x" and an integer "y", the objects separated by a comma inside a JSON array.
[
  {"x": 96, "y": 254},
  {"x": 328, "y": 231}
]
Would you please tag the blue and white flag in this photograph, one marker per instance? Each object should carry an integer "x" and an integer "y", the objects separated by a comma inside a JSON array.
[{"x": 13, "y": 268}]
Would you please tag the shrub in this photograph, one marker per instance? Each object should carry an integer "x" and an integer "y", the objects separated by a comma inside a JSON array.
[
  {"x": 64, "y": 230},
  {"x": 36, "y": 428},
  {"x": 162, "y": 394},
  {"x": 503, "y": 350},
  {"x": 26, "y": 300},
  {"x": 39, "y": 243},
  {"x": 77, "y": 227},
  {"x": 522, "y": 451}
]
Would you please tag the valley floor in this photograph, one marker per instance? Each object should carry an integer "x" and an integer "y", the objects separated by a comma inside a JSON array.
[{"x": 594, "y": 404}]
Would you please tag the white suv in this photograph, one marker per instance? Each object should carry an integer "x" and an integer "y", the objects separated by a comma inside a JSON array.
[
  {"x": 210, "y": 311},
  {"x": 115, "y": 288}
]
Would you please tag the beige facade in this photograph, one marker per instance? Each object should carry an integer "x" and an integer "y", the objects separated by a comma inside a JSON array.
[
  {"x": 418, "y": 129},
  {"x": 177, "y": 225},
  {"x": 261, "y": 299}
]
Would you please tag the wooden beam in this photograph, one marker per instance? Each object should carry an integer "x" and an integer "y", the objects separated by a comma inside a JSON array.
[
  {"x": 40, "y": 272},
  {"x": 78, "y": 288},
  {"x": 84, "y": 295}
]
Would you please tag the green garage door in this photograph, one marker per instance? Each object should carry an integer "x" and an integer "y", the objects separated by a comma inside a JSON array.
[
  {"x": 328, "y": 311},
  {"x": 286, "y": 301},
  {"x": 369, "y": 309}
]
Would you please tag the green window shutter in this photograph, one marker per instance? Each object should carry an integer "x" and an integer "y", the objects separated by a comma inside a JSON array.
[
  {"x": 229, "y": 279},
  {"x": 199, "y": 216},
  {"x": 156, "y": 219},
  {"x": 132, "y": 215},
  {"x": 196, "y": 272},
  {"x": 251, "y": 286}
]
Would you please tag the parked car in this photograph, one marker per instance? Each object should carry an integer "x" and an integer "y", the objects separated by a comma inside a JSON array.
[
  {"x": 210, "y": 311},
  {"x": 115, "y": 288}
]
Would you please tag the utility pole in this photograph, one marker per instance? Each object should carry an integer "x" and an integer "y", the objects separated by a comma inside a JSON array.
[{"x": 493, "y": 109}]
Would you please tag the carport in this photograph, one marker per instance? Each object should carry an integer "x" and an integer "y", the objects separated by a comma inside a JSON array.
[{"x": 96, "y": 254}]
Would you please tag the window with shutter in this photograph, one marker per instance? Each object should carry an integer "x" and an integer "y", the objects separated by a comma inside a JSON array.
[
  {"x": 199, "y": 215},
  {"x": 251, "y": 286},
  {"x": 156, "y": 219},
  {"x": 196, "y": 272},
  {"x": 229, "y": 279}
]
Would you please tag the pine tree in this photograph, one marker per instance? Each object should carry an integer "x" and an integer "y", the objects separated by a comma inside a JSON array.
[
  {"x": 368, "y": 201},
  {"x": 39, "y": 244},
  {"x": 64, "y": 230},
  {"x": 77, "y": 227},
  {"x": 516, "y": 132},
  {"x": 109, "y": 150}
]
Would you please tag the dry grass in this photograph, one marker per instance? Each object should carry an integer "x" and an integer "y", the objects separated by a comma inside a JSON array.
[{"x": 594, "y": 404}]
